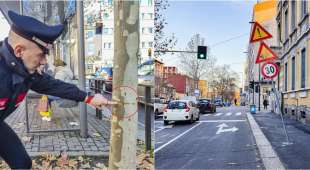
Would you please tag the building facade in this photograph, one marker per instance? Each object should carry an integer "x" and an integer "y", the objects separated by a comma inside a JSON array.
[
  {"x": 294, "y": 39},
  {"x": 264, "y": 13},
  {"x": 99, "y": 16}
]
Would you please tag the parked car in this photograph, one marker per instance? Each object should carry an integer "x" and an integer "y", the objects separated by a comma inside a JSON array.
[
  {"x": 218, "y": 102},
  {"x": 227, "y": 104},
  {"x": 206, "y": 105},
  {"x": 181, "y": 110},
  {"x": 159, "y": 106}
]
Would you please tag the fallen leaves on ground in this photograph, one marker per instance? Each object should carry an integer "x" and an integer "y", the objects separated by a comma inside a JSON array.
[{"x": 63, "y": 162}]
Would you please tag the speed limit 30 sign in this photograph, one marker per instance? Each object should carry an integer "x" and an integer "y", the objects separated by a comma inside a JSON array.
[{"x": 270, "y": 70}]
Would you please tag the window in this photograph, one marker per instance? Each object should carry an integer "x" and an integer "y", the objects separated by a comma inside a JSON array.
[
  {"x": 150, "y": 44},
  {"x": 89, "y": 34},
  {"x": 146, "y": 2},
  {"x": 107, "y": 31},
  {"x": 107, "y": 45},
  {"x": 285, "y": 83},
  {"x": 143, "y": 44},
  {"x": 303, "y": 8},
  {"x": 146, "y": 16},
  {"x": 90, "y": 49},
  {"x": 293, "y": 73},
  {"x": 293, "y": 24},
  {"x": 106, "y": 15},
  {"x": 286, "y": 25},
  {"x": 150, "y": 30},
  {"x": 279, "y": 32},
  {"x": 303, "y": 68}
]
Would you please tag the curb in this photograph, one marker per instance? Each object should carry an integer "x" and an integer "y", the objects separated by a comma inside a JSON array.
[
  {"x": 71, "y": 153},
  {"x": 268, "y": 155}
]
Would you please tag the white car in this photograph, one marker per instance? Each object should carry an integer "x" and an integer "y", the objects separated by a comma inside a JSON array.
[
  {"x": 181, "y": 110},
  {"x": 159, "y": 106}
]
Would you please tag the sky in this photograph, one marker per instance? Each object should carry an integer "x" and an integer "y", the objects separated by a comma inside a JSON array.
[{"x": 216, "y": 21}]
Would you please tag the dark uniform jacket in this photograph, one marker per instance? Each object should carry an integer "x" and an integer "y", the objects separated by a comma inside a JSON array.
[{"x": 15, "y": 81}]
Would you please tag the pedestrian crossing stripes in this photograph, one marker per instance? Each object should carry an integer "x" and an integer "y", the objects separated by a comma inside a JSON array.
[
  {"x": 224, "y": 114},
  {"x": 228, "y": 114}
]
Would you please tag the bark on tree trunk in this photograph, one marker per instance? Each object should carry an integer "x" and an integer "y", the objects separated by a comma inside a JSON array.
[{"x": 123, "y": 140}]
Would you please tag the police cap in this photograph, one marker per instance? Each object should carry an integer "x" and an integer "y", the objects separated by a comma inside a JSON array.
[{"x": 34, "y": 30}]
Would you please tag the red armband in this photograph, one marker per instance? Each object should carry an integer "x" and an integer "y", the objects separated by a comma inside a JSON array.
[{"x": 89, "y": 99}]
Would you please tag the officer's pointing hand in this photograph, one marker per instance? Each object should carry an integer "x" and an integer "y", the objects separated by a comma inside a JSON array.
[{"x": 98, "y": 101}]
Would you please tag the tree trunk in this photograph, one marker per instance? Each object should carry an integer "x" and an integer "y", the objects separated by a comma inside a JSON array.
[{"x": 123, "y": 140}]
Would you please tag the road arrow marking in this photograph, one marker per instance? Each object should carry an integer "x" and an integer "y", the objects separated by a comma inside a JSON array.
[{"x": 224, "y": 125}]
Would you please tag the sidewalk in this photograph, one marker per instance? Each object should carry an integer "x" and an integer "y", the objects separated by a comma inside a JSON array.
[
  {"x": 36, "y": 144},
  {"x": 294, "y": 156}
]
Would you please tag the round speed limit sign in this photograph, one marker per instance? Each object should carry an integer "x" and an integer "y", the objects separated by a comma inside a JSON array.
[{"x": 270, "y": 70}]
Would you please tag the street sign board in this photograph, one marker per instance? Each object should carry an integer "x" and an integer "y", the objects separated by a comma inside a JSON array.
[
  {"x": 197, "y": 93},
  {"x": 259, "y": 33},
  {"x": 265, "y": 54},
  {"x": 270, "y": 70}
]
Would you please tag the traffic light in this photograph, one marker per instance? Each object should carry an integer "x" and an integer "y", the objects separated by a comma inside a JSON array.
[
  {"x": 257, "y": 88},
  {"x": 251, "y": 86},
  {"x": 202, "y": 52}
]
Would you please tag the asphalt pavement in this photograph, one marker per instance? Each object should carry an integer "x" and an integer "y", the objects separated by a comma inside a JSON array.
[{"x": 222, "y": 140}]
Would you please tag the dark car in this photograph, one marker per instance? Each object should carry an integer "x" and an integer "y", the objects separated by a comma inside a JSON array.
[
  {"x": 218, "y": 103},
  {"x": 206, "y": 105}
]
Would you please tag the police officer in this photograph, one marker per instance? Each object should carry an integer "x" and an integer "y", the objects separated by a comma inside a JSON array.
[{"x": 22, "y": 54}]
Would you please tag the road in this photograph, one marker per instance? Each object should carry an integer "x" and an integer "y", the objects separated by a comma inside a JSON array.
[{"x": 222, "y": 140}]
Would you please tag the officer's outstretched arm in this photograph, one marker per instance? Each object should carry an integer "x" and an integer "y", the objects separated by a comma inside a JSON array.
[{"x": 46, "y": 84}]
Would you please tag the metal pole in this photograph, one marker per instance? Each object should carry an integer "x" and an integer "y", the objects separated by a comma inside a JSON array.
[
  {"x": 253, "y": 92},
  {"x": 278, "y": 104},
  {"x": 259, "y": 87},
  {"x": 81, "y": 59},
  {"x": 148, "y": 137}
]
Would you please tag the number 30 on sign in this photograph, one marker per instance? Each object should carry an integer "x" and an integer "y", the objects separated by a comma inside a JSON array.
[{"x": 270, "y": 70}]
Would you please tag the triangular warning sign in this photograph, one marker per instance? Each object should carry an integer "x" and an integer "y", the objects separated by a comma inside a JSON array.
[
  {"x": 259, "y": 33},
  {"x": 265, "y": 54}
]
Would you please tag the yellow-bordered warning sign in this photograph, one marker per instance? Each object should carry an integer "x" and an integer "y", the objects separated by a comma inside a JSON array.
[
  {"x": 265, "y": 54},
  {"x": 259, "y": 33}
]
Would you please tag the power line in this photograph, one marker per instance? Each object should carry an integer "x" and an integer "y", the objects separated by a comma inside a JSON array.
[{"x": 225, "y": 41}]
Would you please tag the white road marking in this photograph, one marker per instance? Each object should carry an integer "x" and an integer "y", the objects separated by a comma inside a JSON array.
[
  {"x": 238, "y": 114},
  {"x": 228, "y": 114},
  {"x": 166, "y": 144},
  {"x": 159, "y": 129},
  {"x": 218, "y": 114},
  {"x": 216, "y": 121},
  {"x": 206, "y": 115},
  {"x": 222, "y": 126}
]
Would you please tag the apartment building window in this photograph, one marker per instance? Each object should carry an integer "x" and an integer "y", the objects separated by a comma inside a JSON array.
[
  {"x": 107, "y": 31},
  {"x": 303, "y": 68},
  {"x": 147, "y": 16},
  {"x": 286, "y": 76},
  {"x": 107, "y": 45},
  {"x": 286, "y": 25},
  {"x": 90, "y": 49},
  {"x": 146, "y": 2},
  {"x": 303, "y": 8},
  {"x": 293, "y": 15},
  {"x": 106, "y": 15},
  {"x": 143, "y": 44},
  {"x": 89, "y": 34},
  {"x": 150, "y": 44},
  {"x": 293, "y": 73}
]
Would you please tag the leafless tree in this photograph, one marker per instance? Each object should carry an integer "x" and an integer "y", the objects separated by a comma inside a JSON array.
[
  {"x": 193, "y": 67},
  {"x": 224, "y": 82},
  {"x": 162, "y": 42}
]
